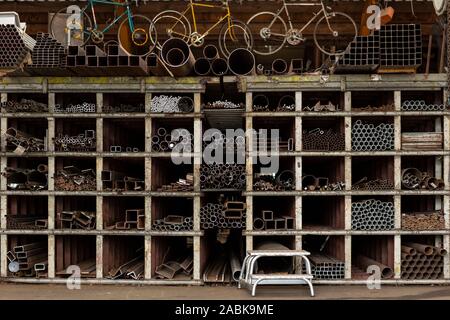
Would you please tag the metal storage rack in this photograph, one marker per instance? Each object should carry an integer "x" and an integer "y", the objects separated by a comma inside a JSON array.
[{"x": 297, "y": 86}]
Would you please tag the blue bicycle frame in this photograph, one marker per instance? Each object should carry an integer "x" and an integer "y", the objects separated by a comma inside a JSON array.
[{"x": 127, "y": 12}]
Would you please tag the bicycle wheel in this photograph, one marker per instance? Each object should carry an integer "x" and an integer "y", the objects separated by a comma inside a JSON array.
[
  {"x": 170, "y": 24},
  {"x": 270, "y": 32},
  {"x": 78, "y": 25},
  {"x": 338, "y": 22},
  {"x": 136, "y": 42},
  {"x": 237, "y": 35}
]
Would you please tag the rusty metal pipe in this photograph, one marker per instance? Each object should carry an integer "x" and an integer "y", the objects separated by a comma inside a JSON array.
[
  {"x": 279, "y": 66},
  {"x": 425, "y": 249},
  {"x": 202, "y": 66},
  {"x": 219, "y": 67},
  {"x": 364, "y": 262},
  {"x": 210, "y": 52},
  {"x": 178, "y": 57},
  {"x": 241, "y": 62}
]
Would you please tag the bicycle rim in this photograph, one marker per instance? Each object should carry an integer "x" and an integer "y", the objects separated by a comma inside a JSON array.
[
  {"x": 181, "y": 29},
  {"x": 137, "y": 42},
  {"x": 237, "y": 35},
  {"x": 59, "y": 31},
  {"x": 267, "y": 40},
  {"x": 339, "y": 43}
]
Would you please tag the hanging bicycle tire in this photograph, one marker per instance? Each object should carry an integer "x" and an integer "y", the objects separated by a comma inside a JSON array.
[
  {"x": 179, "y": 27},
  {"x": 271, "y": 38},
  {"x": 139, "y": 41},
  {"x": 233, "y": 36}
]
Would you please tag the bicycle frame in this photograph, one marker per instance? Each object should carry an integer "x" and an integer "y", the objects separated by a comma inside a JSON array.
[
  {"x": 191, "y": 7},
  {"x": 285, "y": 8},
  {"x": 127, "y": 12}
]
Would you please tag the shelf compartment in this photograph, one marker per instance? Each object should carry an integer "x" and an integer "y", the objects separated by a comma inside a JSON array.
[
  {"x": 172, "y": 258},
  {"x": 274, "y": 213},
  {"x": 73, "y": 252},
  {"x": 27, "y": 212},
  {"x": 372, "y": 173},
  {"x": 123, "y": 257},
  {"x": 71, "y": 213},
  {"x": 323, "y": 213},
  {"x": 123, "y": 213},
  {"x": 172, "y": 214}
]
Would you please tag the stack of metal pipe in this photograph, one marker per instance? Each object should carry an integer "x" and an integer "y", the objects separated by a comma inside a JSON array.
[
  {"x": 225, "y": 104},
  {"x": 164, "y": 141},
  {"x": 171, "y": 104},
  {"x": 222, "y": 176},
  {"x": 118, "y": 181},
  {"x": 173, "y": 223},
  {"x": 372, "y": 215},
  {"x": 325, "y": 267},
  {"x": 26, "y": 179},
  {"x": 377, "y": 184},
  {"x": 413, "y": 178},
  {"x": 229, "y": 215},
  {"x": 323, "y": 140},
  {"x": 48, "y": 52},
  {"x": 421, "y": 105},
  {"x": 26, "y": 259},
  {"x": 71, "y": 178},
  {"x": 184, "y": 185},
  {"x": 283, "y": 181},
  {"x": 84, "y": 107},
  {"x": 422, "y": 261},
  {"x": 132, "y": 269},
  {"x": 26, "y": 222},
  {"x": 425, "y": 220},
  {"x": 83, "y": 142},
  {"x": 77, "y": 220},
  {"x": 13, "y": 50},
  {"x": 422, "y": 140},
  {"x": 268, "y": 221},
  {"x": 23, "y": 142},
  {"x": 368, "y": 137},
  {"x": 313, "y": 183},
  {"x": 24, "y": 105},
  {"x": 134, "y": 219}
]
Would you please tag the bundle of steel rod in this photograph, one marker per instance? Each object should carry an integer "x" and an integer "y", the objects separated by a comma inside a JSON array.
[
  {"x": 271, "y": 144},
  {"x": 368, "y": 137},
  {"x": 377, "y": 184},
  {"x": 283, "y": 181},
  {"x": 421, "y": 105},
  {"x": 165, "y": 141},
  {"x": 132, "y": 269},
  {"x": 83, "y": 142},
  {"x": 427, "y": 220},
  {"x": 22, "y": 142},
  {"x": 134, "y": 219},
  {"x": 25, "y": 259},
  {"x": 118, "y": 181},
  {"x": 422, "y": 140},
  {"x": 13, "y": 50},
  {"x": 383, "y": 107},
  {"x": 372, "y": 215},
  {"x": 28, "y": 223},
  {"x": 173, "y": 223},
  {"x": 91, "y": 60},
  {"x": 87, "y": 269},
  {"x": 318, "y": 107},
  {"x": 364, "y": 262},
  {"x": 313, "y": 183},
  {"x": 268, "y": 221},
  {"x": 118, "y": 149},
  {"x": 185, "y": 185},
  {"x": 84, "y": 107},
  {"x": 217, "y": 139},
  {"x": 323, "y": 140},
  {"x": 413, "y": 178},
  {"x": 169, "y": 269},
  {"x": 26, "y": 179},
  {"x": 24, "y": 105},
  {"x": 325, "y": 267},
  {"x": 71, "y": 178},
  {"x": 77, "y": 220},
  {"x": 171, "y": 104},
  {"x": 422, "y": 261},
  {"x": 227, "y": 215},
  {"x": 140, "y": 107},
  {"x": 48, "y": 52},
  {"x": 222, "y": 176},
  {"x": 223, "y": 105}
]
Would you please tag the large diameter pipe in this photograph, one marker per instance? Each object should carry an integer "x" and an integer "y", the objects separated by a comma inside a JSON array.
[
  {"x": 241, "y": 62},
  {"x": 279, "y": 66},
  {"x": 364, "y": 262},
  {"x": 235, "y": 265},
  {"x": 177, "y": 56},
  {"x": 219, "y": 67},
  {"x": 210, "y": 52},
  {"x": 202, "y": 66}
]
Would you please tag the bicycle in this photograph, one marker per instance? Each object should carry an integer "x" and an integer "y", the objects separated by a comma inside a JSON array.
[
  {"x": 173, "y": 24},
  {"x": 133, "y": 35},
  {"x": 275, "y": 33}
]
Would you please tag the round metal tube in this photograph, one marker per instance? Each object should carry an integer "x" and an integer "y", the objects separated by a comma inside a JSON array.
[
  {"x": 43, "y": 168},
  {"x": 286, "y": 100},
  {"x": 261, "y": 100},
  {"x": 241, "y": 62},
  {"x": 259, "y": 224},
  {"x": 210, "y": 52},
  {"x": 172, "y": 57},
  {"x": 202, "y": 66},
  {"x": 219, "y": 67},
  {"x": 185, "y": 104},
  {"x": 279, "y": 66}
]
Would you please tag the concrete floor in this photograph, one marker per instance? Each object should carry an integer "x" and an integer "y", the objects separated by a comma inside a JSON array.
[{"x": 112, "y": 292}]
